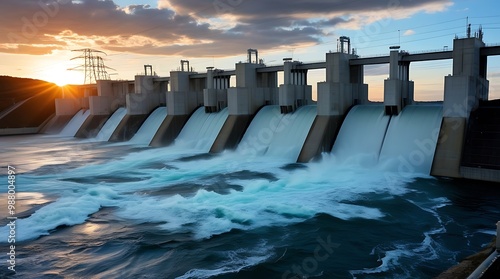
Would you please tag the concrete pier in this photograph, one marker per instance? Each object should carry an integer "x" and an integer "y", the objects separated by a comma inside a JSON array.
[
  {"x": 147, "y": 96},
  {"x": 398, "y": 89},
  {"x": 67, "y": 106},
  {"x": 295, "y": 92},
  {"x": 185, "y": 96},
  {"x": 462, "y": 93},
  {"x": 215, "y": 95},
  {"x": 110, "y": 96},
  {"x": 342, "y": 89},
  {"x": 253, "y": 90}
]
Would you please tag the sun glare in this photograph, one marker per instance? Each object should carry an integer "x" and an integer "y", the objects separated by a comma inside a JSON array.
[{"x": 63, "y": 77}]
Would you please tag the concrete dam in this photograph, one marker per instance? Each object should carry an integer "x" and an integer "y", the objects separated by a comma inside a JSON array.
[{"x": 455, "y": 138}]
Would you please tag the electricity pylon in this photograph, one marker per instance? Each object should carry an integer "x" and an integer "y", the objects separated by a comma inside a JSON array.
[{"x": 93, "y": 66}]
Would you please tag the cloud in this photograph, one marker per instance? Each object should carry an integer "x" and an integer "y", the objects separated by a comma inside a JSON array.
[
  {"x": 194, "y": 28},
  {"x": 408, "y": 32}
]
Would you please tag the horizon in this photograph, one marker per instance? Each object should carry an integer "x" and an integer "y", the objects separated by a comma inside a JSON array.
[{"x": 40, "y": 36}]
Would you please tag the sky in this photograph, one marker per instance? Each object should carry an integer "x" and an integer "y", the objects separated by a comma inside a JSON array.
[{"x": 38, "y": 37}]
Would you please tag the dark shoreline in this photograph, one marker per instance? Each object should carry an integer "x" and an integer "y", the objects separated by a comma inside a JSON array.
[{"x": 469, "y": 264}]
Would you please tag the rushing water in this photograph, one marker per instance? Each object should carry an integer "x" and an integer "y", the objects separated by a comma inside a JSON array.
[
  {"x": 146, "y": 133},
  {"x": 75, "y": 123},
  {"x": 101, "y": 210}
]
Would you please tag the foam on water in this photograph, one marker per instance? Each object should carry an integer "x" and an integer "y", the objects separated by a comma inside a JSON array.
[
  {"x": 71, "y": 209},
  {"x": 110, "y": 125},
  {"x": 395, "y": 257},
  {"x": 290, "y": 197},
  {"x": 235, "y": 261},
  {"x": 145, "y": 134},
  {"x": 231, "y": 192},
  {"x": 75, "y": 123},
  {"x": 327, "y": 187}
]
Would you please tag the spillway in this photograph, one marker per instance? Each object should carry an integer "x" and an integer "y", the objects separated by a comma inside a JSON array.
[
  {"x": 201, "y": 130},
  {"x": 75, "y": 123},
  {"x": 411, "y": 139},
  {"x": 403, "y": 143},
  {"x": 148, "y": 129},
  {"x": 110, "y": 125},
  {"x": 361, "y": 136},
  {"x": 278, "y": 135}
]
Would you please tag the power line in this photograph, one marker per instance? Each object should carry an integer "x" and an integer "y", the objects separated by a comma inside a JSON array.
[{"x": 93, "y": 66}]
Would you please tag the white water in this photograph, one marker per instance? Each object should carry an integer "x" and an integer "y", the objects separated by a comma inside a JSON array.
[
  {"x": 411, "y": 139},
  {"x": 110, "y": 125},
  {"x": 288, "y": 143},
  {"x": 145, "y": 134},
  {"x": 278, "y": 135},
  {"x": 201, "y": 130},
  {"x": 297, "y": 195},
  {"x": 75, "y": 123},
  {"x": 405, "y": 142},
  {"x": 361, "y": 135}
]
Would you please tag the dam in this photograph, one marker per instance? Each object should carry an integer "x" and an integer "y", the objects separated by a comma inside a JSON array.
[
  {"x": 258, "y": 117},
  {"x": 192, "y": 177}
]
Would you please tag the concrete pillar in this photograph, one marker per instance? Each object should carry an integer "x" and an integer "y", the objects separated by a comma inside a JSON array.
[
  {"x": 215, "y": 95},
  {"x": 184, "y": 97},
  {"x": 111, "y": 95},
  {"x": 342, "y": 89},
  {"x": 250, "y": 92},
  {"x": 337, "y": 94},
  {"x": 462, "y": 92},
  {"x": 253, "y": 90},
  {"x": 210, "y": 78},
  {"x": 398, "y": 89},
  {"x": 146, "y": 97},
  {"x": 295, "y": 92},
  {"x": 67, "y": 106}
]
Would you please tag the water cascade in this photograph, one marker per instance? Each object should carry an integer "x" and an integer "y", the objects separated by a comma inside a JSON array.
[
  {"x": 405, "y": 142},
  {"x": 75, "y": 123},
  {"x": 148, "y": 130},
  {"x": 278, "y": 135},
  {"x": 361, "y": 135},
  {"x": 201, "y": 130},
  {"x": 110, "y": 125}
]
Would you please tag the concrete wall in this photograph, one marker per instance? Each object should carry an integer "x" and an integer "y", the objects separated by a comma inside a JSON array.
[
  {"x": 462, "y": 92},
  {"x": 67, "y": 106},
  {"x": 246, "y": 101},
  {"x": 337, "y": 98},
  {"x": 138, "y": 104},
  {"x": 449, "y": 147},
  {"x": 183, "y": 103},
  {"x": 342, "y": 89},
  {"x": 214, "y": 99},
  {"x": 100, "y": 105},
  {"x": 246, "y": 75},
  {"x": 293, "y": 96},
  {"x": 111, "y": 96}
]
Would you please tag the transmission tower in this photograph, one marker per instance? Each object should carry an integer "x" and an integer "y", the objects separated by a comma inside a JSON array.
[{"x": 93, "y": 66}]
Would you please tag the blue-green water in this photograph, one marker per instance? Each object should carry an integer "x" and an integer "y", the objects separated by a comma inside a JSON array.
[
  {"x": 368, "y": 209},
  {"x": 111, "y": 211}
]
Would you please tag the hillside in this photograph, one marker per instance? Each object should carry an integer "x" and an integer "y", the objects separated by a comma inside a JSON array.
[{"x": 26, "y": 102}]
